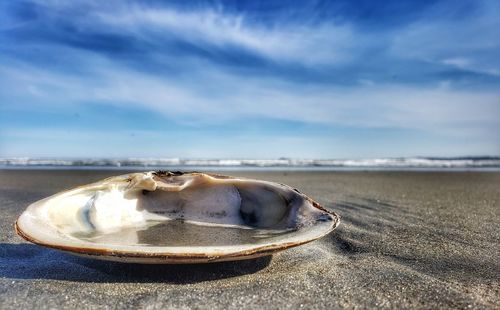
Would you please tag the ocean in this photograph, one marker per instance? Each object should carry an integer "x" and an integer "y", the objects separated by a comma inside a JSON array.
[{"x": 482, "y": 163}]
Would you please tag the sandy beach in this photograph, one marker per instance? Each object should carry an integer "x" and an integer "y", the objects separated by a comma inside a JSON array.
[{"x": 406, "y": 240}]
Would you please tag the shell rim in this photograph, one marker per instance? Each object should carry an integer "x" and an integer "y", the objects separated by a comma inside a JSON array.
[{"x": 169, "y": 257}]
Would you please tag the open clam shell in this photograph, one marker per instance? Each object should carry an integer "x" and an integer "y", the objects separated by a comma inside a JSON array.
[{"x": 173, "y": 217}]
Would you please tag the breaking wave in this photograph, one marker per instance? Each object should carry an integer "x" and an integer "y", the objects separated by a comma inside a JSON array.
[{"x": 407, "y": 162}]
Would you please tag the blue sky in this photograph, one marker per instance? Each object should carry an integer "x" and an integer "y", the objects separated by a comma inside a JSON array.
[{"x": 249, "y": 79}]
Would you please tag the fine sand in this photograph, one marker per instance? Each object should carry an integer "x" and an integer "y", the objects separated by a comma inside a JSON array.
[{"x": 406, "y": 240}]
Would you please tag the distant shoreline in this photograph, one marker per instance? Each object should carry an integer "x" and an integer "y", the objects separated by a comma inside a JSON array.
[
  {"x": 484, "y": 163},
  {"x": 257, "y": 169}
]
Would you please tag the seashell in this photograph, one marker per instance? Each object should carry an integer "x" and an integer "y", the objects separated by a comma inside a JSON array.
[{"x": 175, "y": 217}]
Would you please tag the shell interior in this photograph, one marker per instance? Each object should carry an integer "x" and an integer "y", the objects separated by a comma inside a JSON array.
[{"x": 168, "y": 217}]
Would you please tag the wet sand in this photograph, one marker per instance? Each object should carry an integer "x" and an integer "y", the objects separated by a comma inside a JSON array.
[{"x": 406, "y": 240}]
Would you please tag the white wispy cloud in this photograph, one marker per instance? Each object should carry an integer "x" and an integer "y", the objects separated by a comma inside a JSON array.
[
  {"x": 430, "y": 109},
  {"x": 281, "y": 42},
  {"x": 467, "y": 42}
]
